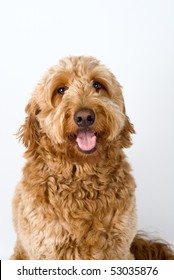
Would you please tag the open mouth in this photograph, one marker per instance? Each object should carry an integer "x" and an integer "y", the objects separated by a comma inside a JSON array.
[{"x": 86, "y": 141}]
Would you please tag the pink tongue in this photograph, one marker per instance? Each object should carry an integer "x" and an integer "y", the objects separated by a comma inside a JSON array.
[{"x": 86, "y": 140}]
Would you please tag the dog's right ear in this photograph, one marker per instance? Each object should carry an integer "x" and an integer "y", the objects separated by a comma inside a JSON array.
[{"x": 29, "y": 132}]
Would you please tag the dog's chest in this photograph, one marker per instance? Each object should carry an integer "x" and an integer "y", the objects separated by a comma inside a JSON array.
[
  {"x": 90, "y": 195},
  {"x": 82, "y": 214},
  {"x": 76, "y": 215},
  {"x": 80, "y": 203}
]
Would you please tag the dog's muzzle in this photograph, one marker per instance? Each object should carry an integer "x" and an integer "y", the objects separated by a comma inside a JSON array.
[{"x": 86, "y": 137}]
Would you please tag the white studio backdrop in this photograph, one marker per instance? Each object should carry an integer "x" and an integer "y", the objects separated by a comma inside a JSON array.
[{"x": 135, "y": 39}]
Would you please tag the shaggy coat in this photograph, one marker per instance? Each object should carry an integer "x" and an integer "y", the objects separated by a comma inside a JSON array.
[{"x": 76, "y": 199}]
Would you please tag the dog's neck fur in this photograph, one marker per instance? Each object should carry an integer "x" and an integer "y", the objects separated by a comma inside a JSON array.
[
  {"x": 51, "y": 168},
  {"x": 59, "y": 160}
]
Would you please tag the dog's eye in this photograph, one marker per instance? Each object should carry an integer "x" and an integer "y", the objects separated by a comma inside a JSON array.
[
  {"x": 61, "y": 90},
  {"x": 97, "y": 85}
]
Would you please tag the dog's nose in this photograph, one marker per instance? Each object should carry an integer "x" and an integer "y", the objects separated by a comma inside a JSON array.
[{"x": 84, "y": 117}]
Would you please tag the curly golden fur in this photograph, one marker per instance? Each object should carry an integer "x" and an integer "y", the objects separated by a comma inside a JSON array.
[
  {"x": 144, "y": 248},
  {"x": 76, "y": 199}
]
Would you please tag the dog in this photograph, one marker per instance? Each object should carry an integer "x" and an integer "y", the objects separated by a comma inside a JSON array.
[{"x": 76, "y": 199}]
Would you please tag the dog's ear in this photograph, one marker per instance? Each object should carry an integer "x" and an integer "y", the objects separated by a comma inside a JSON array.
[
  {"x": 29, "y": 132},
  {"x": 125, "y": 135}
]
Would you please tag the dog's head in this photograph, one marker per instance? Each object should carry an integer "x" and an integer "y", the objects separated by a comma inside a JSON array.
[{"x": 78, "y": 106}]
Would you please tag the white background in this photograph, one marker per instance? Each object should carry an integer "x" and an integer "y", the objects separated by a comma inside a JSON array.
[{"x": 135, "y": 39}]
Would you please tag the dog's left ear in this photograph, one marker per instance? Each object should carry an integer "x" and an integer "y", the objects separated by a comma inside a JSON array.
[
  {"x": 29, "y": 132},
  {"x": 125, "y": 135}
]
